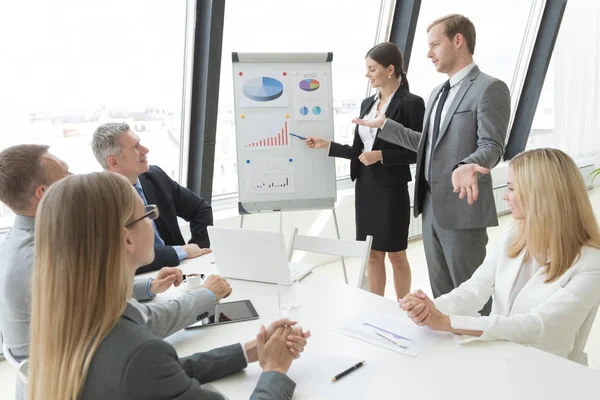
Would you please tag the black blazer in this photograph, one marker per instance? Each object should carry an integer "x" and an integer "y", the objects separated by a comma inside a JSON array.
[
  {"x": 174, "y": 200},
  {"x": 405, "y": 108}
]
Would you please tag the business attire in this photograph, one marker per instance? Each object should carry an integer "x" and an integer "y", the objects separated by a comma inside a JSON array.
[
  {"x": 466, "y": 120},
  {"x": 16, "y": 270},
  {"x": 526, "y": 309},
  {"x": 173, "y": 200},
  {"x": 382, "y": 202},
  {"x": 132, "y": 363}
]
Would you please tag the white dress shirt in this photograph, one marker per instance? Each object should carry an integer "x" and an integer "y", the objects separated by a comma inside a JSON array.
[
  {"x": 367, "y": 135},
  {"x": 545, "y": 315},
  {"x": 454, "y": 86}
]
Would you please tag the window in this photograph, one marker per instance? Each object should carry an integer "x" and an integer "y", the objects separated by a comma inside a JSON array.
[
  {"x": 542, "y": 127},
  {"x": 76, "y": 65},
  {"x": 501, "y": 30},
  {"x": 348, "y": 30},
  {"x": 567, "y": 112}
]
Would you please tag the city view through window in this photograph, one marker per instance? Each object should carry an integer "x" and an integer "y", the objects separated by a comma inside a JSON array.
[{"x": 108, "y": 61}]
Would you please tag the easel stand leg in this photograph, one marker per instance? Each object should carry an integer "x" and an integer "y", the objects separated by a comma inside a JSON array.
[{"x": 337, "y": 230}]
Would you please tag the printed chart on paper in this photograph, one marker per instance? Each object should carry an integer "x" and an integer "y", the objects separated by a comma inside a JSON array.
[{"x": 270, "y": 175}]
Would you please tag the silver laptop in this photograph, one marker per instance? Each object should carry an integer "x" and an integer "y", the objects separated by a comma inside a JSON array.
[{"x": 254, "y": 256}]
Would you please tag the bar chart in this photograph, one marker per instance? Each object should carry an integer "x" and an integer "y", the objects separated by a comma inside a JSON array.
[
  {"x": 268, "y": 176},
  {"x": 282, "y": 182},
  {"x": 279, "y": 140}
]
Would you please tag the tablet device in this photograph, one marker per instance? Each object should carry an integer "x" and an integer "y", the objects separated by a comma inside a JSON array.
[{"x": 226, "y": 313}]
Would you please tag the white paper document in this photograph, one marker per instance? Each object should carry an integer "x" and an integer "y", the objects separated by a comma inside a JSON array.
[
  {"x": 267, "y": 176},
  {"x": 390, "y": 333},
  {"x": 311, "y": 96},
  {"x": 268, "y": 132},
  {"x": 313, "y": 372}
]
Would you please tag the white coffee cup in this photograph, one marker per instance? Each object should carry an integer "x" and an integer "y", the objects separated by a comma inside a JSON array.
[{"x": 193, "y": 281}]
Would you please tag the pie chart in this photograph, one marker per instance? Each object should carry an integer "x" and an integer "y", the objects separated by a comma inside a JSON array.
[
  {"x": 263, "y": 89},
  {"x": 303, "y": 110},
  {"x": 316, "y": 110},
  {"x": 309, "y": 85}
]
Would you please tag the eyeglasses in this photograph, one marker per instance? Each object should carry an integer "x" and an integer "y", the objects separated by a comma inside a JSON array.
[{"x": 150, "y": 211}]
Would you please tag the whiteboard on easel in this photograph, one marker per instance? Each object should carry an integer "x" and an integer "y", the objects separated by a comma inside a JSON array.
[{"x": 280, "y": 97}]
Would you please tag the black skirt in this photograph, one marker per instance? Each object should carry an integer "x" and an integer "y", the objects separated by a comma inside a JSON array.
[{"x": 382, "y": 212}]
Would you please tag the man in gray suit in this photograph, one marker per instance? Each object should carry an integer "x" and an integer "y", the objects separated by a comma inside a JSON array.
[
  {"x": 464, "y": 132},
  {"x": 26, "y": 171}
]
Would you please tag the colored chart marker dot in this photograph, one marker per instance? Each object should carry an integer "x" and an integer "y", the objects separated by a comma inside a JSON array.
[
  {"x": 242, "y": 116},
  {"x": 241, "y": 73},
  {"x": 285, "y": 74},
  {"x": 287, "y": 115},
  {"x": 291, "y": 160},
  {"x": 247, "y": 161}
]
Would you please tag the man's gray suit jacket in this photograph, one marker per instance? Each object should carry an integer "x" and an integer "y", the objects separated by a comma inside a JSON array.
[
  {"x": 473, "y": 131},
  {"x": 133, "y": 363}
]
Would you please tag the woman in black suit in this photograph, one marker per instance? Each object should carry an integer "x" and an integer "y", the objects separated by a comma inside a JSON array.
[{"x": 381, "y": 169}]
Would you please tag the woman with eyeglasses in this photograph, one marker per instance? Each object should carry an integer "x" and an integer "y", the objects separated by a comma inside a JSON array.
[
  {"x": 88, "y": 338},
  {"x": 545, "y": 272},
  {"x": 150, "y": 211}
]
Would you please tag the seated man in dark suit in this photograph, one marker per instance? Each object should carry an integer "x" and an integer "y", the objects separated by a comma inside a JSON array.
[{"x": 119, "y": 150}]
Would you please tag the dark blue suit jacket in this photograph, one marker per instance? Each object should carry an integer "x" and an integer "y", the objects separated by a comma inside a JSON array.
[{"x": 174, "y": 200}]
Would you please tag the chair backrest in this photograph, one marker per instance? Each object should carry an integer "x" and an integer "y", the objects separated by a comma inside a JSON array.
[
  {"x": 9, "y": 357},
  {"x": 21, "y": 366},
  {"x": 23, "y": 372},
  {"x": 577, "y": 353},
  {"x": 337, "y": 247}
]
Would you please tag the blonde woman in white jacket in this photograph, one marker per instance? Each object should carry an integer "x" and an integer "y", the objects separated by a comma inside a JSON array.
[{"x": 544, "y": 275}]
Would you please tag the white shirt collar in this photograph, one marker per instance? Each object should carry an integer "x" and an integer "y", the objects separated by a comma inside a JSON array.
[
  {"x": 460, "y": 75},
  {"x": 377, "y": 96}
]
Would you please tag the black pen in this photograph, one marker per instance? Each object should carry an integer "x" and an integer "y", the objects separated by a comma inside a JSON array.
[{"x": 346, "y": 372}]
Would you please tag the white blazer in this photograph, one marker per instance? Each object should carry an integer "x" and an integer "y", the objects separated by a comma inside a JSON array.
[{"x": 543, "y": 315}]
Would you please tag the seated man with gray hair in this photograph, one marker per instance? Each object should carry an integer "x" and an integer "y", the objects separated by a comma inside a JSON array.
[{"x": 119, "y": 150}]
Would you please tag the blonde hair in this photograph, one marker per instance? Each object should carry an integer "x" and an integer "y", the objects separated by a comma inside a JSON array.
[
  {"x": 559, "y": 219},
  {"x": 80, "y": 281},
  {"x": 455, "y": 24}
]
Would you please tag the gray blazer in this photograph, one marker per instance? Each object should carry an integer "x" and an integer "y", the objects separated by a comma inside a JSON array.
[
  {"x": 133, "y": 363},
  {"x": 16, "y": 268},
  {"x": 473, "y": 131},
  {"x": 166, "y": 318}
]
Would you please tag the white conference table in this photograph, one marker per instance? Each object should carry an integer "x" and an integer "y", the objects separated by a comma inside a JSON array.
[{"x": 482, "y": 370}]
